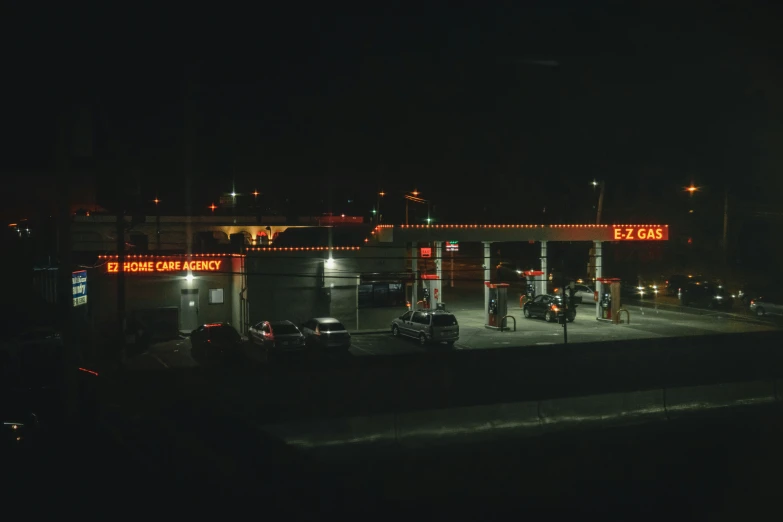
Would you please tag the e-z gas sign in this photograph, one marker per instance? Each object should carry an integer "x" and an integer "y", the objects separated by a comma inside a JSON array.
[{"x": 639, "y": 233}]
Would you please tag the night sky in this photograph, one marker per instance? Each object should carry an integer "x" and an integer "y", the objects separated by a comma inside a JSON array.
[{"x": 316, "y": 108}]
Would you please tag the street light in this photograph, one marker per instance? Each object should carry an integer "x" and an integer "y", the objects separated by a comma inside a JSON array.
[
  {"x": 412, "y": 197},
  {"x": 157, "y": 223},
  {"x": 213, "y": 207},
  {"x": 600, "y": 199},
  {"x": 378, "y": 207}
]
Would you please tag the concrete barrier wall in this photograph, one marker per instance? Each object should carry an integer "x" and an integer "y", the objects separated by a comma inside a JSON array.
[
  {"x": 415, "y": 429},
  {"x": 687, "y": 400}
]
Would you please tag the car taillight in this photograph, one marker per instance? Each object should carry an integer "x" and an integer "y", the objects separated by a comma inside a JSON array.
[
  {"x": 555, "y": 308},
  {"x": 752, "y": 301}
]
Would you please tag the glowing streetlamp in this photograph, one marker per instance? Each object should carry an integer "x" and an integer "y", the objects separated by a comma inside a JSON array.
[
  {"x": 600, "y": 209},
  {"x": 212, "y": 207},
  {"x": 377, "y": 210}
]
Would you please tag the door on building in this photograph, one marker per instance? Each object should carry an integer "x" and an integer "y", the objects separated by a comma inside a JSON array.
[{"x": 188, "y": 310}]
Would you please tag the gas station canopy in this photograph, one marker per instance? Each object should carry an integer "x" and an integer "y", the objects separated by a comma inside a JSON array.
[{"x": 510, "y": 233}]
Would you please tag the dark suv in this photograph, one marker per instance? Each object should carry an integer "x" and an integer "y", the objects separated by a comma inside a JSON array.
[
  {"x": 705, "y": 294},
  {"x": 676, "y": 283}
]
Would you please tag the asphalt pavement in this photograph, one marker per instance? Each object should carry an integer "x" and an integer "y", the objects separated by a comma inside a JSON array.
[
  {"x": 645, "y": 323},
  {"x": 706, "y": 468}
]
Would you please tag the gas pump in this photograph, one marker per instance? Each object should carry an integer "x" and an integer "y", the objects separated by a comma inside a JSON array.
[
  {"x": 530, "y": 287},
  {"x": 609, "y": 301},
  {"x": 497, "y": 308},
  {"x": 431, "y": 291}
]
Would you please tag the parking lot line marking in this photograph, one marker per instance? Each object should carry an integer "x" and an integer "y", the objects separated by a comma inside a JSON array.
[
  {"x": 361, "y": 349},
  {"x": 159, "y": 360}
]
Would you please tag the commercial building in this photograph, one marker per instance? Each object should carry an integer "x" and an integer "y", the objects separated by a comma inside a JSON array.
[{"x": 361, "y": 275}]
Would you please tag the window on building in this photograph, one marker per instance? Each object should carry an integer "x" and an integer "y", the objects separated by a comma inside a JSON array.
[
  {"x": 379, "y": 295},
  {"x": 365, "y": 296},
  {"x": 215, "y": 296}
]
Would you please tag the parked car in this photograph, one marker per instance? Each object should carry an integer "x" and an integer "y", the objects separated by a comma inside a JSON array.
[
  {"x": 428, "y": 326},
  {"x": 327, "y": 334},
  {"x": 583, "y": 294},
  {"x": 547, "y": 306},
  {"x": 215, "y": 340},
  {"x": 277, "y": 337},
  {"x": 764, "y": 305},
  {"x": 705, "y": 294},
  {"x": 675, "y": 283}
]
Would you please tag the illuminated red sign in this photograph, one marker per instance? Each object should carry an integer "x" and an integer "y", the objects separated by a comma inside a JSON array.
[
  {"x": 166, "y": 265},
  {"x": 426, "y": 251},
  {"x": 640, "y": 233}
]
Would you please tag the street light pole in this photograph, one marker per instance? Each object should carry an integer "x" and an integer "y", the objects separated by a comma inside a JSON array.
[
  {"x": 725, "y": 223},
  {"x": 600, "y": 202},
  {"x": 157, "y": 224}
]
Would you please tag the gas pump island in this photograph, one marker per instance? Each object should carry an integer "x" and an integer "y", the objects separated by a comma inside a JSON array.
[{"x": 607, "y": 303}]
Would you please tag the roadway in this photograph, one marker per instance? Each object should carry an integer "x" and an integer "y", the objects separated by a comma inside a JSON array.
[{"x": 192, "y": 459}]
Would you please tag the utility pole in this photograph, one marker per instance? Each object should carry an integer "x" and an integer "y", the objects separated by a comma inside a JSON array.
[
  {"x": 120, "y": 231},
  {"x": 64, "y": 267},
  {"x": 726, "y": 224},
  {"x": 600, "y": 203},
  {"x": 452, "y": 269}
]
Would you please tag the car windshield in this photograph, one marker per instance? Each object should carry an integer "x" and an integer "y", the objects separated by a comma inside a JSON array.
[
  {"x": 444, "y": 320},
  {"x": 285, "y": 329},
  {"x": 331, "y": 327}
]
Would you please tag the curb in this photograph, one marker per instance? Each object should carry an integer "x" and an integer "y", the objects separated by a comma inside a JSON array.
[
  {"x": 427, "y": 428},
  {"x": 691, "y": 311}
]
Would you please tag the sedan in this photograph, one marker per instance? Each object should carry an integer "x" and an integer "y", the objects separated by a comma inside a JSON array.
[
  {"x": 215, "y": 341},
  {"x": 277, "y": 337},
  {"x": 547, "y": 306}
]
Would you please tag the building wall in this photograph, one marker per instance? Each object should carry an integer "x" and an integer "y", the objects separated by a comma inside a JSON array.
[
  {"x": 146, "y": 292},
  {"x": 297, "y": 285},
  {"x": 285, "y": 285},
  {"x": 343, "y": 305}
]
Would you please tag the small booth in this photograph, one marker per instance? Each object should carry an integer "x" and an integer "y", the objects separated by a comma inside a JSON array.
[
  {"x": 498, "y": 305},
  {"x": 609, "y": 301}
]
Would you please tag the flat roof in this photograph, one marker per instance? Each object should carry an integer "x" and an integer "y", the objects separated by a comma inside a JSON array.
[{"x": 520, "y": 232}]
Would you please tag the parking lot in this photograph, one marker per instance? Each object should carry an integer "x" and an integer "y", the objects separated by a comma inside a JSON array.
[
  {"x": 647, "y": 320},
  {"x": 645, "y": 323}
]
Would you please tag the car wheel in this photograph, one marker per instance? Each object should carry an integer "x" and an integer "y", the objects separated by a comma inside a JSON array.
[
  {"x": 549, "y": 318},
  {"x": 760, "y": 311},
  {"x": 526, "y": 313},
  {"x": 395, "y": 331},
  {"x": 422, "y": 339},
  {"x": 450, "y": 344}
]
